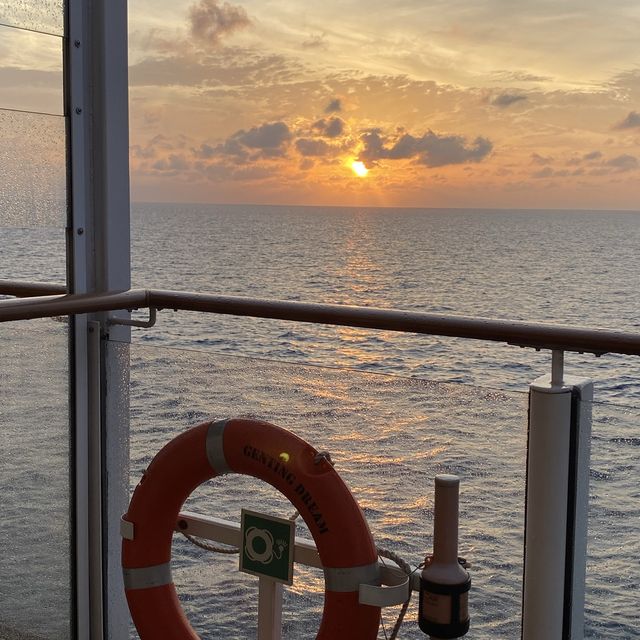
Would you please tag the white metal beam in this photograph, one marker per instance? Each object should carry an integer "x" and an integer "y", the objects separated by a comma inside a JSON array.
[{"x": 556, "y": 507}]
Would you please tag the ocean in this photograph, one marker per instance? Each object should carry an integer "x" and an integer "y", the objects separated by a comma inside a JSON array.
[
  {"x": 392, "y": 409},
  {"x": 577, "y": 268}
]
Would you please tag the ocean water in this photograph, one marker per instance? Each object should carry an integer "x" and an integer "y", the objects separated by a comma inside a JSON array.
[
  {"x": 393, "y": 409},
  {"x": 575, "y": 268}
]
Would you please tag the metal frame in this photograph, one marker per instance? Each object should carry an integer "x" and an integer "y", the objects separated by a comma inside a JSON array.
[
  {"x": 524, "y": 334},
  {"x": 396, "y": 585},
  {"x": 96, "y": 105},
  {"x": 305, "y": 551},
  {"x": 95, "y": 484},
  {"x": 88, "y": 603}
]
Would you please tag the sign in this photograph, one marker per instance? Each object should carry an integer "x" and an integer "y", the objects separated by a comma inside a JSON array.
[{"x": 267, "y": 546}]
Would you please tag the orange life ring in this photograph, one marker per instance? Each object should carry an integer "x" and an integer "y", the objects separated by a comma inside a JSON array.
[{"x": 251, "y": 447}]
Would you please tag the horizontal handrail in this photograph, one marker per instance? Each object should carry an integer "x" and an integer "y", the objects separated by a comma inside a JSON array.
[
  {"x": 524, "y": 334},
  {"x": 21, "y": 289}
]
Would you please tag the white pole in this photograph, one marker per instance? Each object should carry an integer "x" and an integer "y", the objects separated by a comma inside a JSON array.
[
  {"x": 269, "y": 609},
  {"x": 445, "y": 530},
  {"x": 556, "y": 506}
]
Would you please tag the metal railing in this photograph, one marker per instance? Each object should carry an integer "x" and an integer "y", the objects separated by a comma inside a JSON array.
[
  {"x": 559, "y": 419},
  {"x": 396, "y": 587},
  {"x": 50, "y": 300}
]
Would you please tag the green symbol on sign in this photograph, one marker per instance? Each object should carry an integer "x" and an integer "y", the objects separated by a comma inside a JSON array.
[{"x": 267, "y": 546}]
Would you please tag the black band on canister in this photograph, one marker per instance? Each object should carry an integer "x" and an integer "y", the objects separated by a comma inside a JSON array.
[{"x": 456, "y": 626}]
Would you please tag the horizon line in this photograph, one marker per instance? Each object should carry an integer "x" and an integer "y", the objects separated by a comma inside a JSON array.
[{"x": 411, "y": 208}]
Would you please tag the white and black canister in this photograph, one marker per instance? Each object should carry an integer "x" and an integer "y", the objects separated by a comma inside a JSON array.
[{"x": 443, "y": 611}]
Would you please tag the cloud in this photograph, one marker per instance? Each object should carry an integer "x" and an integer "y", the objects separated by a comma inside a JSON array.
[
  {"x": 335, "y": 106},
  {"x": 507, "y": 99},
  {"x": 632, "y": 121},
  {"x": 598, "y": 166},
  {"x": 331, "y": 128},
  {"x": 316, "y": 41},
  {"x": 536, "y": 158},
  {"x": 430, "y": 149},
  {"x": 251, "y": 173},
  {"x": 309, "y": 147},
  {"x": 173, "y": 164},
  {"x": 162, "y": 41},
  {"x": 220, "y": 172},
  {"x": 592, "y": 155},
  {"x": 231, "y": 147},
  {"x": 144, "y": 153},
  {"x": 205, "y": 151},
  {"x": 266, "y": 136},
  {"x": 211, "y": 20},
  {"x": 624, "y": 162},
  {"x": 232, "y": 68},
  {"x": 548, "y": 172},
  {"x": 157, "y": 146},
  {"x": 268, "y": 140},
  {"x": 520, "y": 76}
]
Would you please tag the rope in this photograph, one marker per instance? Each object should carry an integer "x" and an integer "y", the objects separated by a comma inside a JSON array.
[
  {"x": 209, "y": 546},
  {"x": 392, "y": 555}
]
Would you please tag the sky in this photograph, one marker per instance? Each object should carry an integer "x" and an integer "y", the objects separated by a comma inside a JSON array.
[
  {"x": 483, "y": 103},
  {"x": 424, "y": 103}
]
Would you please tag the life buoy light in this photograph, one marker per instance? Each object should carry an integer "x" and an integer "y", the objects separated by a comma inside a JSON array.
[{"x": 289, "y": 464}]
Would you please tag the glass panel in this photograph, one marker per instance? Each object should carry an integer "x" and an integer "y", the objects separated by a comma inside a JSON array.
[
  {"x": 32, "y": 172},
  {"x": 613, "y": 572},
  {"x": 32, "y": 197},
  {"x": 20, "y": 261},
  {"x": 39, "y": 15},
  {"x": 388, "y": 436},
  {"x": 35, "y": 593},
  {"x": 31, "y": 71}
]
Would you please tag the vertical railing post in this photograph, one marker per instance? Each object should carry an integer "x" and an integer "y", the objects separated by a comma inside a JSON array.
[
  {"x": 96, "y": 81},
  {"x": 556, "y": 506},
  {"x": 269, "y": 609}
]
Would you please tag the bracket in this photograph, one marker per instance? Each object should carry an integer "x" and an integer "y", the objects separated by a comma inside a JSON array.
[{"x": 144, "y": 324}]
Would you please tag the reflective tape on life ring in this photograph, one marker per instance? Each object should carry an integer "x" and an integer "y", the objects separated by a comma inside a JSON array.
[
  {"x": 289, "y": 464},
  {"x": 346, "y": 579},
  {"x": 147, "y": 577}
]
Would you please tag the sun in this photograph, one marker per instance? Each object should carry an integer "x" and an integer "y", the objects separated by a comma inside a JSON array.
[{"x": 359, "y": 169}]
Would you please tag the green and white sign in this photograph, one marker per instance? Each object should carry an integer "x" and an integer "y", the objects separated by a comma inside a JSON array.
[{"x": 267, "y": 546}]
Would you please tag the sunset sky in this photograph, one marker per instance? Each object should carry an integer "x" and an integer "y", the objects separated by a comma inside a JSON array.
[
  {"x": 483, "y": 103},
  {"x": 459, "y": 103}
]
